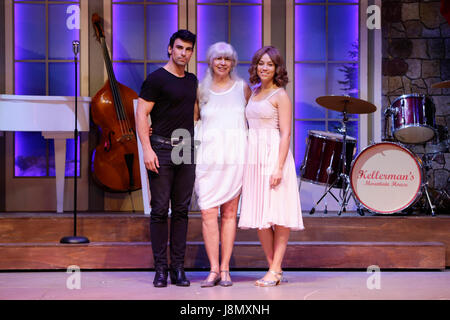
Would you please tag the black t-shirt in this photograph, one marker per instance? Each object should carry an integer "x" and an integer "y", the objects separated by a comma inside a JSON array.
[{"x": 174, "y": 99}]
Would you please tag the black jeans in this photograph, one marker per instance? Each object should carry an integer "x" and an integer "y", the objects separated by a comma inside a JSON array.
[{"x": 173, "y": 183}]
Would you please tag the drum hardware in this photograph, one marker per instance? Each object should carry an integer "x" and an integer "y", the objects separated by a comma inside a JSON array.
[
  {"x": 344, "y": 104},
  {"x": 441, "y": 201},
  {"x": 430, "y": 151},
  {"x": 343, "y": 175},
  {"x": 343, "y": 195},
  {"x": 427, "y": 158},
  {"x": 388, "y": 113},
  {"x": 432, "y": 207},
  {"x": 321, "y": 162},
  {"x": 329, "y": 171},
  {"x": 441, "y": 85}
]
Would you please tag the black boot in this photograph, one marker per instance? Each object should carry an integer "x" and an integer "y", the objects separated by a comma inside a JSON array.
[
  {"x": 178, "y": 277},
  {"x": 160, "y": 280}
]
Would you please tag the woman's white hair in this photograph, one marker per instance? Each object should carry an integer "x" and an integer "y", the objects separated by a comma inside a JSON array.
[{"x": 218, "y": 49}]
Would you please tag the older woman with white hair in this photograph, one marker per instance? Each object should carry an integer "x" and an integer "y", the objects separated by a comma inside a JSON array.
[{"x": 222, "y": 133}]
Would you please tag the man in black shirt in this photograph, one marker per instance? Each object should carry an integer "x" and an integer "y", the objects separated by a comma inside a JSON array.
[{"x": 168, "y": 95}]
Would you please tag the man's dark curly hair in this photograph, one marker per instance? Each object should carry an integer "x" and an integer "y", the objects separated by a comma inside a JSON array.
[{"x": 280, "y": 79}]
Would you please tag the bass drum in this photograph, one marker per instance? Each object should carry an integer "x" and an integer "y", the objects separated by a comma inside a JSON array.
[{"x": 386, "y": 178}]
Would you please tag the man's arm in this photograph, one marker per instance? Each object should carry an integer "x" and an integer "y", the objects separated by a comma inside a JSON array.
[
  {"x": 143, "y": 110},
  {"x": 196, "y": 112}
]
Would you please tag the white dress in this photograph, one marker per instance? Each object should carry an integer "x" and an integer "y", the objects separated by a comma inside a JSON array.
[
  {"x": 220, "y": 157},
  {"x": 263, "y": 207}
]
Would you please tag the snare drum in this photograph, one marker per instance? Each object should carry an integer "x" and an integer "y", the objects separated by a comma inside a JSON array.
[
  {"x": 322, "y": 164},
  {"x": 413, "y": 118},
  {"x": 386, "y": 178}
]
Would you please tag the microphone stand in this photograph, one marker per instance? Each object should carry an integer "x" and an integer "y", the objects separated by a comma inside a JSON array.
[{"x": 75, "y": 239}]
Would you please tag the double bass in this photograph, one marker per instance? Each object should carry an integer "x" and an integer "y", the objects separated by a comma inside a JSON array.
[{"x": 115, "y": 161}]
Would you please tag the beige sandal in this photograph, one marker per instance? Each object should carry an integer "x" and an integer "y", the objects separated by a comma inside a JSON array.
[{"x": 270, "y": 283}]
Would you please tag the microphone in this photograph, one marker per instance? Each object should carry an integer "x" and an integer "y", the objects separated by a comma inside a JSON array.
[{"x": 76, "y": 47}]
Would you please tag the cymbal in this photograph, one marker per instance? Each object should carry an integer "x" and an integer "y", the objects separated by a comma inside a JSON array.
[
  {"x": 441, "y": 85},
  {"x": 352, "y": 105}
]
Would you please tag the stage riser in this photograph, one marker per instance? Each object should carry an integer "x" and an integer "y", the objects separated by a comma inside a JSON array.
[
  {"x": 98, "y": 229},
  {"x": 135, "y": 228},
  {"x": 326, "y": 255}
]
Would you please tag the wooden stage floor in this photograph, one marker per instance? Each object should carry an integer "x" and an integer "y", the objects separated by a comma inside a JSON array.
[
  {"x": 121, "y": 241},
  {"x": 302, "y": 285}
]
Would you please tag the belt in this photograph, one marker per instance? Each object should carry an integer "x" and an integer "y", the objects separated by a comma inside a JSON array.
[{"x": 169, "y": 141}]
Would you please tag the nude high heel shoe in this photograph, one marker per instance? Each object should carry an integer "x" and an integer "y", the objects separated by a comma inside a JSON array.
[
  {"x": 212, "y": 283},
  {"x": 225, "y": 283},
  {"x": 270, "y": 283}
]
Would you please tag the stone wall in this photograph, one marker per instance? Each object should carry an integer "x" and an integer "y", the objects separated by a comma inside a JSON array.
[{"x": 416, "y": 54}]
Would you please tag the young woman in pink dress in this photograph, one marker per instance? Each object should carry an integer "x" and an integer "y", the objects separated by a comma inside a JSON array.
[{"x": 270, "y": 196}]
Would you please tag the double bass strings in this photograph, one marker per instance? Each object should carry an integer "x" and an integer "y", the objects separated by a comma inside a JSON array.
[{"x": 125, "y": 126}]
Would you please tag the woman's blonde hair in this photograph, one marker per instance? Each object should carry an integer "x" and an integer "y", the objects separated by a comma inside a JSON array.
[{"x": 218, "y": 49}]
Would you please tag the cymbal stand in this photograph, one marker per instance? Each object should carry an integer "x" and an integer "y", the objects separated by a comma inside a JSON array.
[
  {"x": 346, "y": 193},
  {"x": 345, "y": 177},
  {"x": 329, "y": 173}
]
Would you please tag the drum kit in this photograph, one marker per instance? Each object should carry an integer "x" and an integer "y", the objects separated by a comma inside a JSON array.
[{"x": 386, "y": 177}]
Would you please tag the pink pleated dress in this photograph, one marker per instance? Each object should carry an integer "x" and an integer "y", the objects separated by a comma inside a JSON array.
[{"x": 261, "y": 206}]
